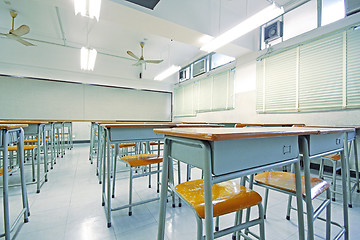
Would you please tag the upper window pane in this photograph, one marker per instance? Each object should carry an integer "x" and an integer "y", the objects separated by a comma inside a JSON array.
[{"x": 332, "y": 10}]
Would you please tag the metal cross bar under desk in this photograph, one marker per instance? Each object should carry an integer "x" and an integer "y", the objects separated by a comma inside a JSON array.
[
  {"x": 224, "y": 154},
  {"x": 13, "y": 133}
]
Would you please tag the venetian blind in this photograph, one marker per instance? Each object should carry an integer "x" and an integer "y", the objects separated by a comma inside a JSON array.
[
  {"x": 210, "y": 93},
  {"x": 321, "y": 73},
  {"x": 353, "y": 68}
]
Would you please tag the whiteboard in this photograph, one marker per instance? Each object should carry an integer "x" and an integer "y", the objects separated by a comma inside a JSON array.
[{"x": 29, "y": 98}]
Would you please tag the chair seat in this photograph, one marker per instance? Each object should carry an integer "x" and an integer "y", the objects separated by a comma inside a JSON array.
[
  {"x": 156, "y": 143},
  {"x": 124, "y": 145},
  {"x": 30, "y": 141},
  {"x": 334, "y": 157},
  {"x": 142, "y": 159},
  {"x": 227, "y": 197},
  {"x": 286, "y": 181},
  {"x": 2, "y": 171},
  {"x": 26, "y": 147}
]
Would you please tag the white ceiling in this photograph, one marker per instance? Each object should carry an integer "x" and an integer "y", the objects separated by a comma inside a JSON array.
[{"x": 171, "y": 32}]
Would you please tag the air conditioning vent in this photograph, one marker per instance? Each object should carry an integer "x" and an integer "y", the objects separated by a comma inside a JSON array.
[
  {"x": 184, "y": 74},
  {"x": 199, "y": 67},
  {"x": 273, "y": 31}
]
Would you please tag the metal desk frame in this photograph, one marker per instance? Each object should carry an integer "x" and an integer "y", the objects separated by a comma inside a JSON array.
[
  {"x": 9, "y": 136},
  {"x": 202, "y": 151}
]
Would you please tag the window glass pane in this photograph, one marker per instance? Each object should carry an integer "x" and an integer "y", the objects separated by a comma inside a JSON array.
[
  {"x": 332, "y": 10},
  {"x": 218, "y": 60}
]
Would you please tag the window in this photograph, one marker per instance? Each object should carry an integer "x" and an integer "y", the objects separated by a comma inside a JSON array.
[
  {"x": 209, "y": 93},
  {"x": 322, "y": 74}
]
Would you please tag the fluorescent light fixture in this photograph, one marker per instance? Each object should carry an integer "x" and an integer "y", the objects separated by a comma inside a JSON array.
[
  {"x": 88, "y": 8},
  {"x": 244, "y": 27},
  {"x": 88, "y": 58},
  {"x": 94, "y": 9},
  {"x": 168, "y": 72}
]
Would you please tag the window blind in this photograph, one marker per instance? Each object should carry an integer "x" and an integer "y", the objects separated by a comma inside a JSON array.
[
  {"x": 353, "y": 67},
  {"x": 321, "y": 74},
  {"x": 210, "y": 93}
]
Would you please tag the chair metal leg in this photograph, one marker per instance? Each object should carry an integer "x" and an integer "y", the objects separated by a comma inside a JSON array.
[{"x": 130, "y": 190}]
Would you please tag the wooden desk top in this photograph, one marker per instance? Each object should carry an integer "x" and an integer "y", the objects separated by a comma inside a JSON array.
[
  {"x": 137, "y": 124},
  {"x": 158, "y": 124},
  {"x": 349, "y": 126},
  {"x": 12, "y": 126},
  {"x": 269, "y": 124},
  {"x": 221, "y": 134},
  {"x": 23, "y": 122}
]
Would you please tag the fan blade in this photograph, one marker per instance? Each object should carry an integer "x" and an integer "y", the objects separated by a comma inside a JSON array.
[
  {"x": 19, "y": 39},
  {"x": 138, "y": 63},
  {"x": 20, "y": 31},
  {"x": 133, "y": 55},
  {"x": 154, "y": 61}
]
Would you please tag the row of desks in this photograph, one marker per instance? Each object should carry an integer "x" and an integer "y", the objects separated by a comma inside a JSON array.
[{"x": 227, "y": 153}]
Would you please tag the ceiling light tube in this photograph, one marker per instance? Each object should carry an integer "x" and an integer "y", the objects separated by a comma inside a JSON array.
[
  {"x": 168, "y": 72},
  {"x": 80, "y": 7},
  {"x": 88, "y": 58},
  {"x": 94, "y": 9},
  {"x": 88, "y": 8},
  {"x": 244, "y": 27}
]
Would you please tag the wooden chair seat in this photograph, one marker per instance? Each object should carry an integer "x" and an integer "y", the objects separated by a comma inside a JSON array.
[
  {"x": 30, "y": 141},
  {"x": 142, "y": 159},
  {"x": 334, "y": 157},
  {"x": 156, "y": 143},
  {"x": 2, "y": 171},
  {"x": 227, "y": 197},
  {"x": 286, "y": 181},
  {"x": 26, "y": 147},
  {"x": 124, "y": 145}
]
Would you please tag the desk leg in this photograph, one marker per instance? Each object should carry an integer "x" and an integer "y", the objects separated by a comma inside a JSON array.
[
  {"x": 5, "y": 187},
  {"x": 309, "y": 208},
  {"x": 164, "y": 188},
  {"x": 208, "y": 193},
  {"x": 356, "y": 156},
  {"x": 38, "y": 160},
  {"x": 22, "y": 175},
  {"x": 108, "y": 179},
  {"x": 299, "y": 200},
  {"x": 344, "y": 179}
]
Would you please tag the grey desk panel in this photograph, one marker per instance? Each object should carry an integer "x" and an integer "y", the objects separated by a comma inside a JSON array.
[
  {"x": 242, "y": 154},
  {"x": 134, "y": 134},
  {"x": 325, "y": 142},
  {"x": 32, "y": 129}
]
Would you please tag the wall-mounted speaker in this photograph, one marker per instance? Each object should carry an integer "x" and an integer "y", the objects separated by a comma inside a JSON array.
[{"x": 273, "y": 31}]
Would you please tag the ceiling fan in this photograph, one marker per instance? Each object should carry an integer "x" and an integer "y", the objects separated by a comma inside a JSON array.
[
  {"x": 141, "y": 60},
  {"x": 17, "y": 33}
]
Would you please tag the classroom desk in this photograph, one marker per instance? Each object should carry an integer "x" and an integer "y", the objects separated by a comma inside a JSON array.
[
  {"x": 129, "y": 132},
  {"x": 351, "y": 137},
  {"x": 37, "y": 129},
  {"x": 13, "y": 133},
  {"x": 224, "y": 153}
]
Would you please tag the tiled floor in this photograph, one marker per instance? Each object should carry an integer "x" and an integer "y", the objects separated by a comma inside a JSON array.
[{"x": 69, "y": 207}]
